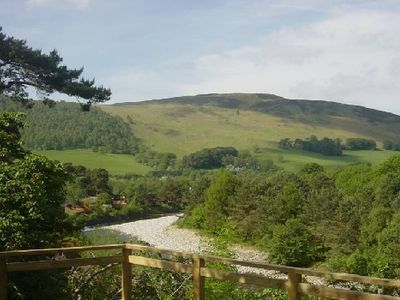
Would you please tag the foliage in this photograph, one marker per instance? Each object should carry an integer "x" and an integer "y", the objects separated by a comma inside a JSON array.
[
  {"x": 134, "y": 198},
  {"x": 349, "y": 216},
  {"x": 65, "y": 126},
  {"x": 10, "y": 138},
  {"x": 325, "y": 146},
  {"x": 22, "y": 67},
  {"x": 31, "y": 213},
  {"x": 218, "y": 200},
  {"x": 157, "y": 160},
  {"x": 31, "y": 193},
  {"x": 294, "y": 244},
  {"x": 244, "y": 161},
  {"x": 391, "y": 145},
  {"x": 90, "y": 182},
  {"x": 360, "y": 144},
  {"x": 209, "y": 158}
]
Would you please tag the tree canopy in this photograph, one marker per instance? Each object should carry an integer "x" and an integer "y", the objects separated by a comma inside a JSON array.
[
  {"x": 22, "y": 67},
  {"x": 66, "y": 126},
  {"x": 31, "y": 212},
  {"x": 208, "y": 158},
  {"x": 346, "y": 220},
  {"x": 325, "y": 146}
]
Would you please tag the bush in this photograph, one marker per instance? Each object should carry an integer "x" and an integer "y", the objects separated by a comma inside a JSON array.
[
  {"x": 360, "y": 144},
  {"x": 209, "y": 158},
  {"x": 293, "y": 244}
]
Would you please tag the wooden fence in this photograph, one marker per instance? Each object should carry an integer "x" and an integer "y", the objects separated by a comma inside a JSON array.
[{"x": 295, "y": 283}]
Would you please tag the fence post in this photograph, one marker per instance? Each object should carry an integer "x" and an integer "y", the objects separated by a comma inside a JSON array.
[
  {"x": 3, "y": 278},
  {"x": 126, "y": 274},
  {"x": 198, "y": 280},
  {"x": 293, "y": 285}
]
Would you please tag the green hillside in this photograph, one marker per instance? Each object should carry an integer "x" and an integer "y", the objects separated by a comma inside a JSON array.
[
  {"x": 183, "y": 125},
  {"x": 65, "y": 126},
  {"x": 255, "y": 121}
]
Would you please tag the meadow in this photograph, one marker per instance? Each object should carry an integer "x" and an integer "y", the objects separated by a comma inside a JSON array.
[{"x": 115, "y": 164}]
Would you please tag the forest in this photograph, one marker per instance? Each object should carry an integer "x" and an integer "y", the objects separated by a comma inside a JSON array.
[
  {"x": 344, "y": 220},
  {"x": 66, "y": 126}
]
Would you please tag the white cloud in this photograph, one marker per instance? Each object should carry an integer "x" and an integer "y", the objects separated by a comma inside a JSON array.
[
  {"x": 350, "y": 57},
  {"x": 79, "y": 4}
]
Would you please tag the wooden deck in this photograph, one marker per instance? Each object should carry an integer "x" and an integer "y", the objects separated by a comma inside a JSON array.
[{"x": 133, "y": 255}]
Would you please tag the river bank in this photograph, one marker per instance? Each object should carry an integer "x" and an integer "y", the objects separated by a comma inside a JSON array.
[{"x": 161, "y": 232}]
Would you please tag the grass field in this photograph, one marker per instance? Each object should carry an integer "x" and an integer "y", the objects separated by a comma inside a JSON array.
[
  {"x": 119, "y": 164},
  {"x": 116, "y": 164},
  {"x": 294, "y": 160}
]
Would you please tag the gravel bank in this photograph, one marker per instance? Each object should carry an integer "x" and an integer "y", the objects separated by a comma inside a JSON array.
[{"x": 162, "y": 233}]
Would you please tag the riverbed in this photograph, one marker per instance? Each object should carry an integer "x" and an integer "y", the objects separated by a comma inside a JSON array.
[{"x": 162, "y": 232}]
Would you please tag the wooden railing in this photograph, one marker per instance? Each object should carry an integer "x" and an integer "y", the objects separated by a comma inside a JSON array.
[{"x": 295, "y": 282}]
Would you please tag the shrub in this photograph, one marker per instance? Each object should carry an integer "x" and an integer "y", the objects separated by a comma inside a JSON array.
[{"x": 293, "y": 244}]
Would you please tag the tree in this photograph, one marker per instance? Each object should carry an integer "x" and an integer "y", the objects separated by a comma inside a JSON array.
[
  {"x": 387, "y": 145},
  {"x": 10, "y": 138},
  {"x": 208, "y": 158},
  {"x": 293, "y": 244},
  {"x": 31, "y": 186},
  {"x": 219, "y": 197},
  {"x": 360, "y": 144},
  {"x": 31, "y": 212},
  {"x": 22, "y": 67}
]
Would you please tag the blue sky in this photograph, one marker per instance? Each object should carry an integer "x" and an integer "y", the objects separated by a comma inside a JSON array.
[{"x": 345, "y": 51}]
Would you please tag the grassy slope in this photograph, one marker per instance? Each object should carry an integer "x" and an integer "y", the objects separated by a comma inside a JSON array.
[
  {"x": 185, "y": 128},
  {"x": 116, "y": 164}
]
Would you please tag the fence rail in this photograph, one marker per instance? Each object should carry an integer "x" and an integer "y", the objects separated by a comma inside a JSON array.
[{"x": 197, "y": 266}]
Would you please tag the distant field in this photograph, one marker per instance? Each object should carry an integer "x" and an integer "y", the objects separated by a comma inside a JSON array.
[
  {"x": 116, "y": 164},
  {"x": 119, "y": 164},
  {"x": 294, "y": 160}
]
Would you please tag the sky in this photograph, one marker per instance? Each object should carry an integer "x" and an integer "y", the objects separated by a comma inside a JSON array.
[{"x": 336, "y": 50}]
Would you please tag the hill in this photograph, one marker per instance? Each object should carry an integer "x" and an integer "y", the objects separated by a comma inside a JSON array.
[
  {"x": 66, "y": 126},
  {"x": 248, "y": 121}
]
